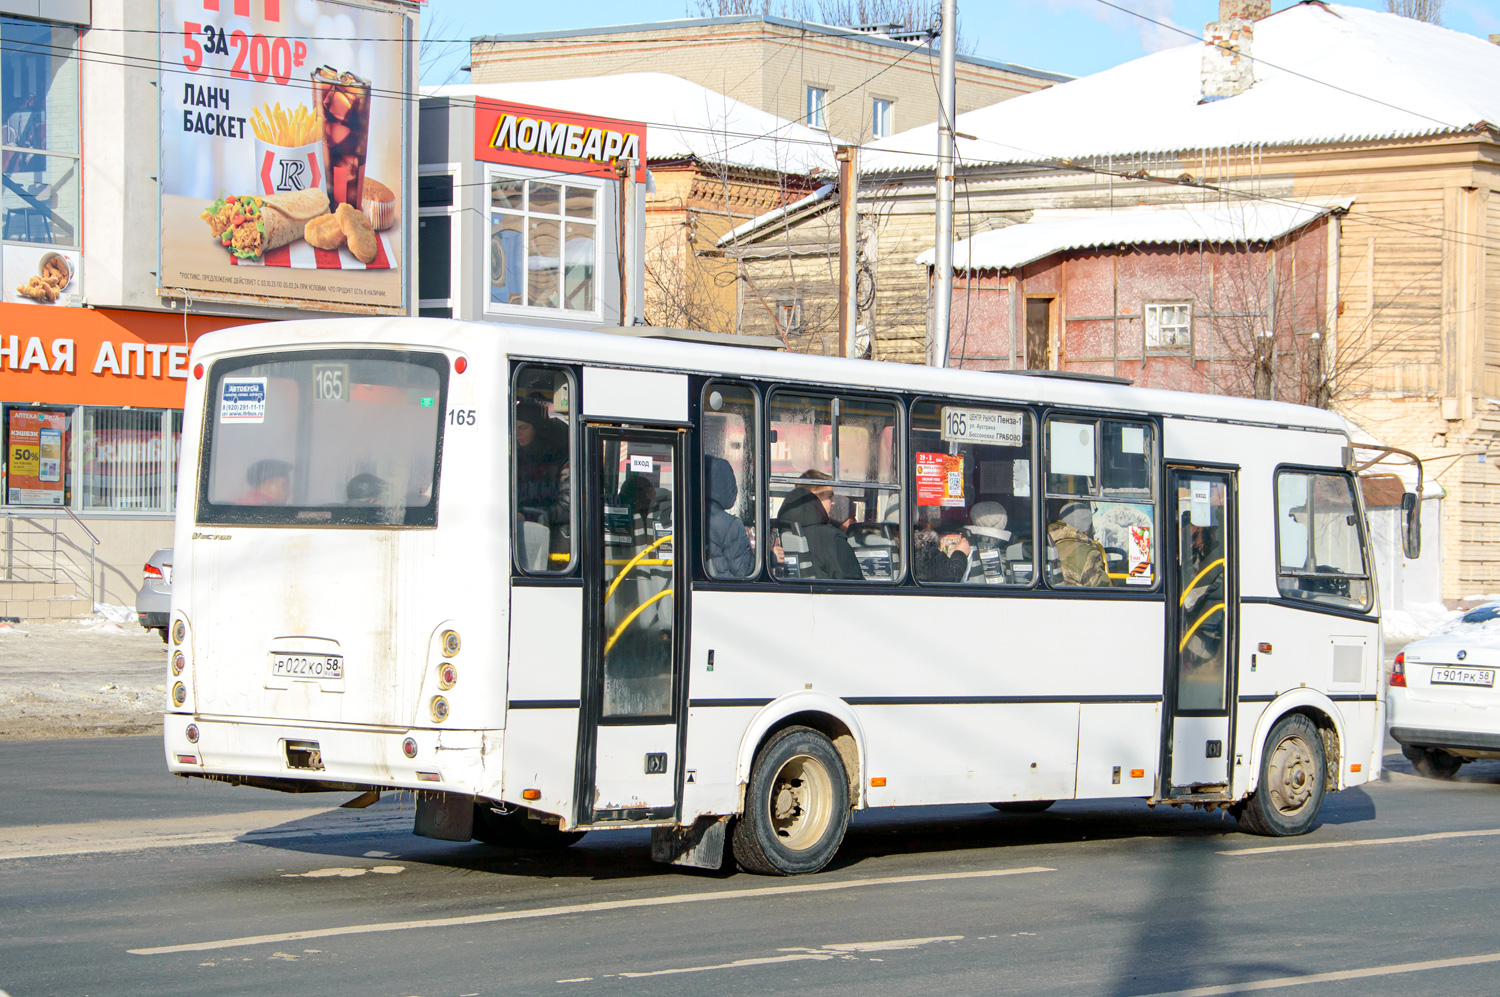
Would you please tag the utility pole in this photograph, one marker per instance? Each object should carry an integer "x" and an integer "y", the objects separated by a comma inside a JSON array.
[
  {"x": 848, "y": 246},
  {"x": 942, "y": 304}
]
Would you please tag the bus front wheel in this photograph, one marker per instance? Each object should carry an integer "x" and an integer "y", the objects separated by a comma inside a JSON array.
[
  {"x": 1293, "y": 780},
  {"x": 796, "y": 806}
]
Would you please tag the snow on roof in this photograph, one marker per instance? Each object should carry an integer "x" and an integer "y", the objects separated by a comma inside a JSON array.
[
  {"x": 739, "y": 232},
  {"x": 683, "y": 119},
  {"x": 1322, "y": 74},
  {"x": 1053, "y": 231}
]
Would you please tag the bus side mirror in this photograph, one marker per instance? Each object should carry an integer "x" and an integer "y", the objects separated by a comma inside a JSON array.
[{"x": 1411, "y": 525}]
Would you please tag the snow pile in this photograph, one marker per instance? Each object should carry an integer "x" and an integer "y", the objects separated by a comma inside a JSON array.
[
  {"x": 113, "y": 613},
  {"x": 1416, "y": 621}
]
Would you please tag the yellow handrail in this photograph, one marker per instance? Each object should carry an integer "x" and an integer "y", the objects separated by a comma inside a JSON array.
[
  {"x": 1189, "y": 586},
  {"x": 632, "y": 563},
  {"x": 1196, "y": 624},
  {"x": 609, "y": 645},
  {"x": 649, "y": 562}
]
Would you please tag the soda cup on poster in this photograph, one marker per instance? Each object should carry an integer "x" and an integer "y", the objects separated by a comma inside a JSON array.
[{"x": 344, "y": 101}]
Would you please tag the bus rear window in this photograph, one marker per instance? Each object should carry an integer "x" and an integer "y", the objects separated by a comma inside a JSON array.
[{"x": 340, "y": 438}]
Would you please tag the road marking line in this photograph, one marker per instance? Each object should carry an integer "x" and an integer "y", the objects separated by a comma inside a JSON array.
[
  {"x": 1406, "y": 839},
  {"x": 1394, "y": 969},
  {"x": 607, "y": 905}
]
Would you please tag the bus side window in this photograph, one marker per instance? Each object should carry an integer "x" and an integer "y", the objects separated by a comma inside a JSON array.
[
  {"x": 541, "y": 469},
  {"x": 1320, "y": 552},
  {"x": 731, "y": 476},
  {"x": 1100, "y": 504},
  {"x": 971, "y": 511}
]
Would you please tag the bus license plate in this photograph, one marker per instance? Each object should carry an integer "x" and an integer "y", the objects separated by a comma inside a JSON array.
[
  {"x": 1463, "y": 676},
  {"x": 307, "y": 666}
]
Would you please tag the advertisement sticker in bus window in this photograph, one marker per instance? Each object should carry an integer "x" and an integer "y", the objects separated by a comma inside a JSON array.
[
  {"x": 981, "y": 426},
  {"x": 1198, "y": 511},
  {"x": 940, "y": 479},
  {"x": 1072, "y": 445},
  {"x": 1132, "y": 439},
  {"x": 1139, "y": 551},
  {"x": 1021, "y": 478},
  {"x": 243, "y": 400},
  {"x": 618, "y": 528}
]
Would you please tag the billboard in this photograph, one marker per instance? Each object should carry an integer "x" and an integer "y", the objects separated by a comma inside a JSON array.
[{"x": 284, "y": 147}]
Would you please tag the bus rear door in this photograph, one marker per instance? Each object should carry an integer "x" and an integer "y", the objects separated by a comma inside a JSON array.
[{"x": 635, "y": 611}]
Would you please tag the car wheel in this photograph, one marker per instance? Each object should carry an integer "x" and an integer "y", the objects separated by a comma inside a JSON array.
[
  {"x": 1293, "y": 781},
  {"x": 796, "y": 806},
  {"x": 515, "y": 829},
  {"x": 1023, "y": 806},
  {"x": 1433, "y": 763}
]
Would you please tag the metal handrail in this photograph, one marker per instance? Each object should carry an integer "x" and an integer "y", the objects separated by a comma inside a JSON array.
[{"x": 58, "y": 562}]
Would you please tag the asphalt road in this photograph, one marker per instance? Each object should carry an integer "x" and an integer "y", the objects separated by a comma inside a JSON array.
[{"x": 133, "y": 883}]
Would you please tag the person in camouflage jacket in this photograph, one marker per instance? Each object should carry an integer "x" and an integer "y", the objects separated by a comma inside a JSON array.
[{"x": 1081, "y": 560}]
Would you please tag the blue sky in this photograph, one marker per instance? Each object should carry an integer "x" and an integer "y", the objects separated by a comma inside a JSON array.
[{"x": 1067, "y": 36}]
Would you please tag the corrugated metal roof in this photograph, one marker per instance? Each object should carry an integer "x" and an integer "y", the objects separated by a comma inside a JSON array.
[
  {"x": 1322, "y": 74},
  {"x": 1051, "y": 232},
  {"x": 683, "y": 119}
]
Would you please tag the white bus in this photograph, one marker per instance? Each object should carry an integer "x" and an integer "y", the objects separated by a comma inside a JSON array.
[{"x": 559, "y": 582}]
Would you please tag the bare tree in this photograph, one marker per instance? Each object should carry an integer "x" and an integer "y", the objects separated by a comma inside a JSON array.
[
  {"x": 440, "y": 55},
  {"x": 1430, "y": 11}
]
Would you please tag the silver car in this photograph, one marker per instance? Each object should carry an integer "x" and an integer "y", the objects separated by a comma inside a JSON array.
[{"x": 153, "y": 603}]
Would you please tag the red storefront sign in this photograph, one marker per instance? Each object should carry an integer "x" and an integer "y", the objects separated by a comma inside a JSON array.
[{"x": 558, "y": 141}]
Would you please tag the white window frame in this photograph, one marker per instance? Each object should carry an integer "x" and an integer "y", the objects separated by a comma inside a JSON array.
[
  {"x": 878, "y": 104},
  {"x": 493, "y": 173},
  {"x": 1151, "y": 315},
  {"x": 817, "y": 107},
  {"x": 455, "y": 276}
]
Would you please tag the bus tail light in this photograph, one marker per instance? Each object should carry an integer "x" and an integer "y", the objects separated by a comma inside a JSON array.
[
  {"x": 192, "y": 733},
  {"x": 439, "y": 708},
  {"x": 447, "y": 676},
  {"x": 409, "y": 747},
  {"x": 1398, "y": 672},
  {"x": 451, "y": 643},
  {"x": 187, "y": 759},
  {"x": 429, "y": 777},
  {"x": 179, "y": 694},
  {"x": 179, "y": 631},
  {"x": 178, "y": 663},
  {"x": 460, "y": 365}
]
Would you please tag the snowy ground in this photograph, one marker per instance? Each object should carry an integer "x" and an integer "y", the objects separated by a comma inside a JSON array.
[{"x": 72, "y": 678}]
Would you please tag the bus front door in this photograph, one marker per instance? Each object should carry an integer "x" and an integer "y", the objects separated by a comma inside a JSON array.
[
  {"x": 635, "y": 591},
  {"x": 1202, "y": 625}
]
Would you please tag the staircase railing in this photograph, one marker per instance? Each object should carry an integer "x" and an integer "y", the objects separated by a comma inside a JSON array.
[{"x": 36, "y": 550}]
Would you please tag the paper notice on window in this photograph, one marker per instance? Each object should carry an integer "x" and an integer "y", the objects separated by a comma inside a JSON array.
[
  {"x": 1132, "y": 439},
  {"x": 940, "y": 479},
  {"x": 640, "y": 463},
  {"x": 1199, "y": 512},
  {"x": 1139, "y": 555},
  {"x": 1021, "y": 478},
  {"x": 963, "y": 425},
  {"x": 1072, "y": 446},
  {"x": 242, "y": 400}
]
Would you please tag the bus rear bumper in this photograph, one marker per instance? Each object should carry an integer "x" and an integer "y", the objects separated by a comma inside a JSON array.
[{"x": 299, "y": 757}]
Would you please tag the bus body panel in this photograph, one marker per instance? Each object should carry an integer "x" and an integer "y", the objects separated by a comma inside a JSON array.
[
  {"x": 540, "y": 749},
  {"x": 1118, "y": 739},
  {"x": 546, "y": 644}
]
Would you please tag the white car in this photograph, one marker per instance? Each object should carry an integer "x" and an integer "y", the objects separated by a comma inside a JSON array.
[{"x": 1442, "y": 705}]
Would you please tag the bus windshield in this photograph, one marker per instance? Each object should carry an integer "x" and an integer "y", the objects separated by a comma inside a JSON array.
[{"x": 341, "y": 437}]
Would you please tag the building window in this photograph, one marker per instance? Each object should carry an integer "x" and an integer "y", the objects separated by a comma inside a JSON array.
[
  {"x": 544, "y": 250},
  {"x": 129, "y": 459},
  {"x": 1169, "y": 326},
  {"x": 880, "y": 118},
  {"x": 435, "y": 255},
  {"x": 817, "y": 107},
  {"x": 789, "y": 315},
  {"x": 39, "y": 145}
]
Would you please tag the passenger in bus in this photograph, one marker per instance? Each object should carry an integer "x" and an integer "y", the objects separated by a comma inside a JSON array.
[
  {"x": 806, "y": 508},
  {"x": 938, "y": 556},
  {"x": 1080, "y": 559},
  {"x": 541, "y": 467},
  {"x": 270, "y": 483},
  {"x": 729, "y": 552},
  {"x": 637, "y": 494},
  {"x": 365, "y": 489}
]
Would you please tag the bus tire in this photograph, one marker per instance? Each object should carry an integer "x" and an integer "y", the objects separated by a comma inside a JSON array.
[
  {"x": 1023, "y": 806},
  {"x": 516, "y": 829},
  {"x": 1433, "y": 763},
  {"x": 1293, "y": 781},
  {"x": 796, "y": 806}
]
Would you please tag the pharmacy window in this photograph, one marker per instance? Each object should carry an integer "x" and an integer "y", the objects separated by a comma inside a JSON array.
[
  {"x": 817, "y": 107},
  {"x": 544, "y": 245},
  {"x": 1169, "y": 326}
]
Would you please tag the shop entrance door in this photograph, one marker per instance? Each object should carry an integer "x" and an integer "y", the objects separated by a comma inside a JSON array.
[
  {"x": 634, "y": 641},
  {"x": 1202, "y": 631}
]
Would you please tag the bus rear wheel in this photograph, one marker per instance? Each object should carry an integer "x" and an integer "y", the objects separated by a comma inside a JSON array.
[
  {"x": 516, "y": 829},
  {"x": 1293, "y": 781},
  {"x": 796, "y": 806}
]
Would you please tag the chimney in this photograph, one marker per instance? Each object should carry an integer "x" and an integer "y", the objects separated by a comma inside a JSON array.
[
  {"x": 1495, "y": 39},
  {"x": 1227, "y": 68}
]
